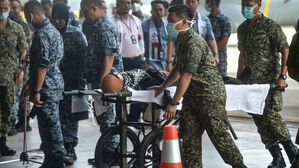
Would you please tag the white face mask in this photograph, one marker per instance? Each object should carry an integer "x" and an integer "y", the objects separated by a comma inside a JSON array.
[
  {"x": 4, "y": 15},
  {"x": 172, "y": 32},
  {"x": 136, "y": 7}
]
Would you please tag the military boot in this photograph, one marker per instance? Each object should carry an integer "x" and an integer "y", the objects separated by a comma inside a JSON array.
[
  {"x": 47, "y": 163},
  {"x": 20, "y": 125},
  {"x": 59, "y": 163},
  {"x": 50, "y": 162},
  {"x": 70, "y": 149},
  {"x": 68, "y": 159},
  {"x": 295, "y": 163},
  {"x": 290, "y": 149},
  {"x": 5, "y": 150},
  {"x": 278, "y": 160},
  {"x": 240, "y": 165}
]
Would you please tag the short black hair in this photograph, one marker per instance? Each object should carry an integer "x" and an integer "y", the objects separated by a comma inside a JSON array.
[
  {"x": 33, "y": 6},
  {"x": 158, "y": 2},
  {"x": 182, "y": 11},
  {"x": 256, "y": 1},
  {"x": 55, "y": 1},
  {"x": 18, "y": 2},
  {"x": 91, "y": 3},
  {"x": 175, "y": 2},
  {"x": 46, "y": 2}
]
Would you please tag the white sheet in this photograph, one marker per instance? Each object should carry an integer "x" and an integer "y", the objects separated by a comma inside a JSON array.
[
  {"x": 148, "y": 96},
  {"x": 248, "y": 98}
]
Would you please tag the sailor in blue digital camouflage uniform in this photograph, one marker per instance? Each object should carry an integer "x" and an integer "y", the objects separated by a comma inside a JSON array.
[
  {"x": 222, "y": 27},
  {"x": 75, "y": 47},
  {"x": 73, "y": 19},
  {"x": 103, "y": 54},
  {"x": 45, "y": 84}
]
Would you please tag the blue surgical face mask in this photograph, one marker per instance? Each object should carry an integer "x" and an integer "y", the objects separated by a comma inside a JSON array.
[
  {"x": 172, "y": 32},
  {"x": 207, "y": 8},
  {"x": 247, "y": 12},
  {"x": 4, "y": 15}
]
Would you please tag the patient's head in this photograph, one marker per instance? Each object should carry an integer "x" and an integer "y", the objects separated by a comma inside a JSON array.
[{"x": 112, "y": 83}]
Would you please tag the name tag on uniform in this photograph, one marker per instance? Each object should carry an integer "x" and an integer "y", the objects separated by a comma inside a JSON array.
[{"x": 134, "y": 39}]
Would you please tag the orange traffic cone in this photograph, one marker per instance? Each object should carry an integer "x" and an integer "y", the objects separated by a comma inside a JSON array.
[{"x": 171, "y": 155}]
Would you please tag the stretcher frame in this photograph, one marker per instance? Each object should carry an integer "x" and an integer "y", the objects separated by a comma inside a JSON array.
[{"x": 120, "y": 99}]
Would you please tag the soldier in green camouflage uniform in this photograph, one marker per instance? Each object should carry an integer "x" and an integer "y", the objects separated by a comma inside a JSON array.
[
  {"x": 293, "y": 70},
  {"x": 204, "y": 94},
  {"x": 13, "y": 40},
  {"x": 260, "y": 41},
  {"x": 18, "y": 106}
]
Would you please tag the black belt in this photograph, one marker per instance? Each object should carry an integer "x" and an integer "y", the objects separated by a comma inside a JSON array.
[{"x": 132, "y": 58}]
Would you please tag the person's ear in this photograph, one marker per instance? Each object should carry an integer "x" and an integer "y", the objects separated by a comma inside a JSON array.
[
  {"x": 184, "y": 23},
  {"x": 31, "y": 17}
]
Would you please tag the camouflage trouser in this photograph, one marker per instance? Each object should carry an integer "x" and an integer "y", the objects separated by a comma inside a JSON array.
[
  {"x": 210, "y": 115},
  {"x": 6, "y": 102},
  {"x": 15, "y": 106},
  {"x": 69, "y": 126},
  {"x": 222, "y": 67},
  {"x": 270, "y": 125},
  {"x": 107, "y": 118},
  {"x": 50, "y": 128}
]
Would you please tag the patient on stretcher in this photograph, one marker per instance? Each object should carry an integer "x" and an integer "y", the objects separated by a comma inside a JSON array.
[
  {"x": 139, "y": 79},
  {"x": 136, "y": 79}
]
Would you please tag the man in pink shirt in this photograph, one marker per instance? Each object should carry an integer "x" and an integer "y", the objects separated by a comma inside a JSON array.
[
  {"x": 130, "y": 34},
  {"x": 129, "y": 30}
]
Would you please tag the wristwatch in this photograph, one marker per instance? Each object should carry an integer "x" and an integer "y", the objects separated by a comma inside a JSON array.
[
  {"x": 36, "y": 92},
  {"x": 173, "y": 102},
  {"x": 282, "y": 76}
]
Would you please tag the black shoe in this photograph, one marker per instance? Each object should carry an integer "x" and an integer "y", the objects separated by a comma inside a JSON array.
[
  {"x": 12, "y": 131},
  {"x": 240, "y": 165},
  {"x": 91, "y": 161},
  {"x": 59, "y": 163},
  {"x": 68, "y": 160},
  {"x": 295, "y": 163},
  {"x": 47, "y": 163},
  {"x": 290, "y": 149},
  {"x": 278, "y": 160},
  {"x": 5, "y": 150},
  {"x": 50, "y": 162},
  {"x": 70, "y": 149},
  {"x": 20, "y": 125}
]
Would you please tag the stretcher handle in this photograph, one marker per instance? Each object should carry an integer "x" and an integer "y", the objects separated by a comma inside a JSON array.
[
  {"x": 82, "y": 92},
  {"x": 119, "y": 94},
  {"x": 95, "y": 92}
]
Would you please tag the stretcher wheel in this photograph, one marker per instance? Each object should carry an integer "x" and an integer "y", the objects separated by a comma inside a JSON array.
[
  {"x": 149, "y": 154},
  {"x": 108, "y": 154},
  {"x": 150, "y": 150}
]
